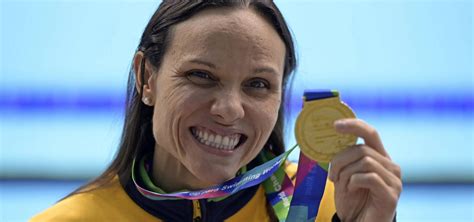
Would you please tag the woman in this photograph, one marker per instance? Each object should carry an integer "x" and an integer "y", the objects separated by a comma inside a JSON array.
[{"x": 205, "y": 97}]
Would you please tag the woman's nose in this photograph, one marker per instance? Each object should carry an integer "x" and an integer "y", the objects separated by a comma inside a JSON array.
[{"x": 228, "y": 108}]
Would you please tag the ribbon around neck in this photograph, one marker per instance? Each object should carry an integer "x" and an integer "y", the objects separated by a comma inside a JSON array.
[{"x": 250, "y": 178}]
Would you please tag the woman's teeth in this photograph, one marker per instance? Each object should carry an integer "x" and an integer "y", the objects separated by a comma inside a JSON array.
[{"x": 215, "y": 140}]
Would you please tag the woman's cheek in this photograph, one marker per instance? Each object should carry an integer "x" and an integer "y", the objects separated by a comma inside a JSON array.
[
  {"x": 266, "y": 114},
  {"x": 271, "y": 108}
]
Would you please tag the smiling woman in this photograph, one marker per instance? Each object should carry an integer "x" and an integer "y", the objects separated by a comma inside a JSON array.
[
  {"x": 204, "y": 122},
  {"x": 208, "y": 93}
]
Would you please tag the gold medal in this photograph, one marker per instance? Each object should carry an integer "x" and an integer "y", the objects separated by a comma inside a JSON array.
[{"x": 315, "y": 132}]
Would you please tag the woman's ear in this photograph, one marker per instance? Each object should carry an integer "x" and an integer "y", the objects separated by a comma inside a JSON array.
[{"x": 143, "y": 75}]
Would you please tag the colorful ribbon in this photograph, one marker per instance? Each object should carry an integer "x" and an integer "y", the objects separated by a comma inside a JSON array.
[
  {"x": 311, "y": 177},
  {"x": 251, "y": 178}
]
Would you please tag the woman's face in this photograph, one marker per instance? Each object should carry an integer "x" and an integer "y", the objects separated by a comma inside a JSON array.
[{"x": 217, "y": 92}]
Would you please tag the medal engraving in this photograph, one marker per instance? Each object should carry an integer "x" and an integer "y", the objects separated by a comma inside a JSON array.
[{"x": 315, "y": 132}]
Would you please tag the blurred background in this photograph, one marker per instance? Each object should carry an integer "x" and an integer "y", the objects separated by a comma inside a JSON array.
[{"x": 405, "y": 66}]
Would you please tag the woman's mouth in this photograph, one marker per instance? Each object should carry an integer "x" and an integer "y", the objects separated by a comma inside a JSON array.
[{"x": 217, "y": 141}]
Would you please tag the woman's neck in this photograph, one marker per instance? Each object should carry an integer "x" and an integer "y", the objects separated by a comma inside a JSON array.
[{"x": 171, "y": 175}]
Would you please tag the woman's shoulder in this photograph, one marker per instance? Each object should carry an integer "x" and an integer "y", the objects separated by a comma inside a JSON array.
[
  {"x": 78, "y": 207},
  {"x": 106, "y": 203}
]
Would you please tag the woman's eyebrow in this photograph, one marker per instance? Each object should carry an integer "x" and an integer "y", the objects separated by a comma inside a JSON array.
[
  {"x": 263, "y": 69},
  {"x": 202, "y": 62}
]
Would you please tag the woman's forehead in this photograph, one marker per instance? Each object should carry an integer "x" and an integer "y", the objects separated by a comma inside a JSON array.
[
  {"x": 227, "y": 19},
  {"x": 227, "y": 32}
]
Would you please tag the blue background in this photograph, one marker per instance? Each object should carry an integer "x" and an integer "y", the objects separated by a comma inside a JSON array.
[{"x": 405, "y": 66}]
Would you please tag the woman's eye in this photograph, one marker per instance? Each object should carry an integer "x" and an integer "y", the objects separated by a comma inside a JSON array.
[
  {"x": 259, "y": 84},
  {"x": 200, "y": 78}
]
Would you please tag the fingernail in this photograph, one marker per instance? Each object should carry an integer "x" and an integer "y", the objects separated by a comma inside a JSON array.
[
  {"x": 331, "y": 174},
  {"x": 331, "y": 177},
  {"x": 340, "y": 123}
]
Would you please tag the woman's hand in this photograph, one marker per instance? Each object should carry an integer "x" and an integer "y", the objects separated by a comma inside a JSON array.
[{"x": 367, "y": 182}]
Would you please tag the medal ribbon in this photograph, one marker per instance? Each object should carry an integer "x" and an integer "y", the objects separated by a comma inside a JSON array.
[
  {"x": 311, "y": 177},
  {"x": 252, "y": 177}
]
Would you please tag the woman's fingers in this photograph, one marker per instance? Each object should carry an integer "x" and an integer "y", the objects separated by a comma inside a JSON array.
[
  {"x": 363, "y": 130},
  {"x": 366, "y": 158},
  {"x": 370, "y": 164},
  {"x": 375, "y": 183},
  {"x": 365, "y": 172}
]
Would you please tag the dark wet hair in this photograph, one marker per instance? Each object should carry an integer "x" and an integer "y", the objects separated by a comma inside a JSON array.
[{"x": 137, "y": 135}]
